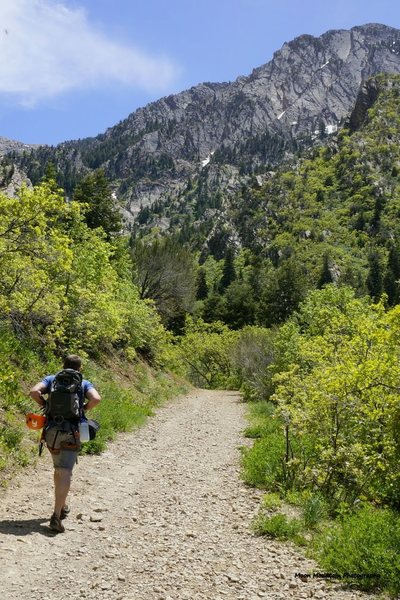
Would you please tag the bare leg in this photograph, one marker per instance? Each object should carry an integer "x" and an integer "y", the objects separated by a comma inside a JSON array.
[{"x": 62, "y": 483}]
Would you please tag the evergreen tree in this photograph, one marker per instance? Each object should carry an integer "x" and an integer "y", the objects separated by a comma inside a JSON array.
[
  {"x": 239, "y": 305},
  {"x": 228, "y": 273},
  {"x": 95, "y": 191},
  {"x": 376, "y": 218},
  {"x": 283, "y": 294},
  {"x": 391, "y": 281},
  {"x": 214, "y": 308},
  {"x": 50, "y": 175},
  {"x": 202, "y": 288},
  {"x": 375, "y": 278},
  {"x": 326, "y": 275}
]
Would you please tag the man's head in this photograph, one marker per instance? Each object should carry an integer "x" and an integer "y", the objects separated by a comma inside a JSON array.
[{"x": 72, "y": 361}]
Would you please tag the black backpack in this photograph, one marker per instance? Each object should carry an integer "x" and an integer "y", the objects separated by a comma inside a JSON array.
[{"x": 64, "y": 400}]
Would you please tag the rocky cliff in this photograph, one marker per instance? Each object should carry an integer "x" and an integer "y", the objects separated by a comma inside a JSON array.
[{"x": 306, "y": 91}]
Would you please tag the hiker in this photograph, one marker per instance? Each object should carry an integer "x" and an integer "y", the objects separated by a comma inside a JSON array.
[{"x": 61, "y": 433}]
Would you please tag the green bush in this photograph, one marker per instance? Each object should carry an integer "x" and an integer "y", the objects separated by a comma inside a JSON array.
[
  {"x": 205, "y": 351},
  {"x": 262, "y": 464},
  {"x": 365, "y": 543},
  {"x": 278, "y": 526},
  {"x": 252, "y": 355},
  {"x": 272, "y": 501},
  {"x": 260, "y": 415},
  {"x": 10, "y": 436}
]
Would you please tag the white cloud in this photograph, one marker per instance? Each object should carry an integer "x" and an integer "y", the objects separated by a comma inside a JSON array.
[{"x": 47, "y": 48}]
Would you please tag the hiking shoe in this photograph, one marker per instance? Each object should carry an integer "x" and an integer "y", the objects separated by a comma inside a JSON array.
[
  {"x": 56, "y": 525},
  {"x": 65, "y": 511}
]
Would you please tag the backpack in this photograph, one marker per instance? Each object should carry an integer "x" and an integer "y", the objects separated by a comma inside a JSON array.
[{"x": 64, "y": 399}]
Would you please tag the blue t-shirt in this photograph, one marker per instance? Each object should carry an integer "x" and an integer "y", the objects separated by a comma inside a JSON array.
[{"x": 86, "y": 386}]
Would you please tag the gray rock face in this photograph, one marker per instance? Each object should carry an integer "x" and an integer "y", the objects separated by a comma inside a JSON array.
[
  {"x": 308, "y": 88},
  {"x": 366, "y": 98},
  {"x": 309, "y": 79},
  {"x": 7, "y": 145}
]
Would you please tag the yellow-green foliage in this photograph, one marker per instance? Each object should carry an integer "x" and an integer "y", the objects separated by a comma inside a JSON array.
[
  {"x": 336, "y": 387},
  {"x": 332, "y": 441},
  {"x": 339, "y": 398},
  {"x": 66, "y": 288},
  {"x": 66, "y": 283},
  {"x": 205, "y": 351},
  {"x": 129, "y": 390},
  {"x": 35, "y": 254}
]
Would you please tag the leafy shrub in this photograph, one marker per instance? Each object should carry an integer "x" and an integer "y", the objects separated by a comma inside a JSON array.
[
  {"x": 10, "y": 436},
  {"x": 252, "y": 355},
  {"x": 367, "y": 543},
  {"x": 205, "y": 350},
  {"x": 262, "y": 464},
  {"x": 272, "y": 501},
  {"x": 339, "y": 401}
]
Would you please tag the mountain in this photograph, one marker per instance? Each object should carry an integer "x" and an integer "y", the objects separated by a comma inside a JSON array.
[
  {"x": 11, "y": 176},
  {"x": 228, "y": 130},
  {"x": 333, "y": 217}
]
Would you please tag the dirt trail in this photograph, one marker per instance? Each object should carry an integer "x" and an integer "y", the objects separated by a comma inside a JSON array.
[{"x": 161, "y": 515}]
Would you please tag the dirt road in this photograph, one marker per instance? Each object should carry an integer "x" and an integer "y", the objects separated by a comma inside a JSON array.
[{"x": 161, "y": 515}]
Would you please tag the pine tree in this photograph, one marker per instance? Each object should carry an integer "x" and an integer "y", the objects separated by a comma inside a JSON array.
[
  {"x": 326, "y": 275},
  {"x": 50, "y": 172},
  {"x": 202, "y": 287},
  {"x": 375, "y": 278},
  {"x": 96, "y": 192},
  {"x": 228, "y": 272},
  {"x": 391, "y": 281},
  {"x": 283, "y": 294}
]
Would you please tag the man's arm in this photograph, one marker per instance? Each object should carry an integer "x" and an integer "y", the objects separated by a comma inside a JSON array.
[
  {"x": 93, "y": 398},
  {"x": 37, "y": 392}
]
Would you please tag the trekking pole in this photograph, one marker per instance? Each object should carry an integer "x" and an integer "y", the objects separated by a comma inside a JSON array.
[{"x": 42, "y": 436}]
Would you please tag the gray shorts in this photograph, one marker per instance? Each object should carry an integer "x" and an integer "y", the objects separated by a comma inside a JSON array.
[{"x": 64, "y": 446}]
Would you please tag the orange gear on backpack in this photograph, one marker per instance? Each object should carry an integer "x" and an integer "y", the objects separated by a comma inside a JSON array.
[{"x": 34, "y": 421}]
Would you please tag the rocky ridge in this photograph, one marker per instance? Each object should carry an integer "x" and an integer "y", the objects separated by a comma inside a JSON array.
[{"x": 306, "y": 91}]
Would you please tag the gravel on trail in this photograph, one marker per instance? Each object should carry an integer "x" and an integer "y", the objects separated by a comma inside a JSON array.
[{"x": 161, "y": 515}]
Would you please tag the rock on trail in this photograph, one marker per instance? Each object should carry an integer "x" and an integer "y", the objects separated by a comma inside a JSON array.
[{"x": 161, "y": 515}]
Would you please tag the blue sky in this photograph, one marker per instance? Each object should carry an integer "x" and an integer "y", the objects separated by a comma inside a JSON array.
[{"x": 71, "y": 68}]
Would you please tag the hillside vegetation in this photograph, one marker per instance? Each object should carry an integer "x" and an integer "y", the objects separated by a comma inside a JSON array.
[
  {"x": 67, "y": 287},
  {"x": 330, "y": 217}
]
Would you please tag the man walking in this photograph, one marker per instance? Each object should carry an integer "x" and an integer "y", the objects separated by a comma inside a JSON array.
[{"x": 62, "y": 433}]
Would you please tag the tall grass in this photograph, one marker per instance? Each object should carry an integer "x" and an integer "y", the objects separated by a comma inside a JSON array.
[
  {"x": 262, "y": 463},
  {"x": 365, "y": 544}
]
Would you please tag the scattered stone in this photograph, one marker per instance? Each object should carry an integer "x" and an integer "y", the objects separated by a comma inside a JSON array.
[
  {"x": 95, "y": 518},
  {"x": 105, "y": 586},
  {"x": 233, "y": 578}
]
